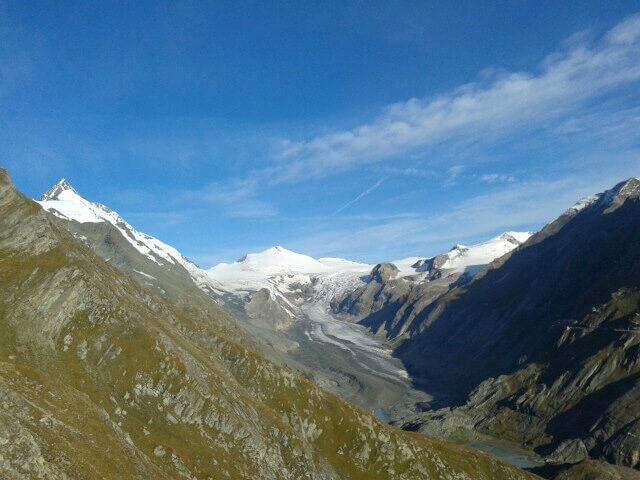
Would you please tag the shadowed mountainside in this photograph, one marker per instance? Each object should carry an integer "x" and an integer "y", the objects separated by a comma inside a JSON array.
[{"x": 543, "y": 347}]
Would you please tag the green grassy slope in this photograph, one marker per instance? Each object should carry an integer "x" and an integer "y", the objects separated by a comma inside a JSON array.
[{"x": 99, "y": 378}]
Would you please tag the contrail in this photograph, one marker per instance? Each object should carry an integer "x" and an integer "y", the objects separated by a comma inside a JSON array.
[{"x": 363, "y": 194}]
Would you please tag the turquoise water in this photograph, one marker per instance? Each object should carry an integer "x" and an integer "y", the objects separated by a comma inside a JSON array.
[
  {"x": 514, "y": 456},
  {"x": 382, "y": 415}
]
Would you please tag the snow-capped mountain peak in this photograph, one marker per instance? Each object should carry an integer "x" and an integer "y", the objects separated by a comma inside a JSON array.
[
  {"x": 609, "y": 199},
  {"x": 581, "y": 204},
  {"x": 58, "y": 190},
  {"x": 63, "y": 201},
  {"x": 259, "y": 270},
  {"x": 461, "y": 258},
  {"x": 278, "y": 259},
  {"x": 616, "y": 196},
  {"x": 516, "y": 238}
]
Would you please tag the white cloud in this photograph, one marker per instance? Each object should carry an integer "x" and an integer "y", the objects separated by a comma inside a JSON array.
[
  {"x": 626, "y": 32},
  {"x": 488, "y": 109},
  {"x": 517, "y": 205},
  {"x": 497, "y": 178},
  {"x": 235, "y": 199}
]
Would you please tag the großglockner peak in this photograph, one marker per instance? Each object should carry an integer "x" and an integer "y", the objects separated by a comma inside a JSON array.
[
  {"x": 63, "y": 201},
  {"x": 57, "y": 190}
]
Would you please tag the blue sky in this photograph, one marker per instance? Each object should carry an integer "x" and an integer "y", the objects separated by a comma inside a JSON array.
[{"x": 368, "y": 130}]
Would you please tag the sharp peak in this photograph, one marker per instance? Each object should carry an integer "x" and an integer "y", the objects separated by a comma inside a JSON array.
[
  {"x": 518, "y": 237},
  {"x": 64, "y": 183},
  {"x": 53, "y": 193},
  {"x": 629, "y": 182}
]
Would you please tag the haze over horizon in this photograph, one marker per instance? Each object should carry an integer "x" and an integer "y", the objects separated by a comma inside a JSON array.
[{"x": 368, "y": 132}]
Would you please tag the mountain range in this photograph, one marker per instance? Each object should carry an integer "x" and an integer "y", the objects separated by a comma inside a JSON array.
[
  {"x": 101, "y": 377},
  {"x": 528, "y": 342}
]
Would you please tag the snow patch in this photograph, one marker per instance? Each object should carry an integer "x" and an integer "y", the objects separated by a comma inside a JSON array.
[
  {"x": 582, "y": 204},
  {"x": 145, "y": 274},
  {"x": 463, "y": 258}
]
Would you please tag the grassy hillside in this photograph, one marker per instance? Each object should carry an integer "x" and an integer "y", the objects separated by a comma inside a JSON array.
[{"x": 99, "y": 378}]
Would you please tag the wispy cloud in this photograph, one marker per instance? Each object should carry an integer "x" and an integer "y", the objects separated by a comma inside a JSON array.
[
  {"x": 496, "y": 178},
  {"x": 235, "y": 199},
  {"x": 453, "y": 173},
  {"x": 516, "y": 205},
  {"x": 491, "y": 108},
  {"x": 360, "y": 196},
  {"x": 413, "y": 172}
]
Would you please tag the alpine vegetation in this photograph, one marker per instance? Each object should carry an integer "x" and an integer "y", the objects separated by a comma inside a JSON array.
[{"x": 332, "y": 240}]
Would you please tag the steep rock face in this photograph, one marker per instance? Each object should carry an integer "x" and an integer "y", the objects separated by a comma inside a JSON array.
[
  {"x": 542, "y": 347},
  {"x": 265, "y": 311},
  {"x": 385, "y": 304},
  {"x": 99, "y": 378},
  {"x": 383, "y": 272},
  {"x": 389, "y": 302}
]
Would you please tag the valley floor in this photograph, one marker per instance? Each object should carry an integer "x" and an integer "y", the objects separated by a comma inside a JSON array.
[
  {"x": 354, "y": 364},
  {"x": 348, "y": 360}
]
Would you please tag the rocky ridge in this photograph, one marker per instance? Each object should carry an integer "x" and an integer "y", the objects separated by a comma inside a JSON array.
[{"x": 388, "y": 302}]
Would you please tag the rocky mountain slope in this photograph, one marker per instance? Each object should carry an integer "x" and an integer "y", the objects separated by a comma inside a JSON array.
[
  {"x": 266, "y": 291},
  {"x": 543, "y": 346},
  {"x": 394, "y": 292},
  {"x": 157, "y": 265},
  {"x": 100, "y": 378}
]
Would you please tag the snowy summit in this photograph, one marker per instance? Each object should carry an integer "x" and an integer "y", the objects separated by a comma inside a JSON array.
[
  {"x": 253, "y": 270},
  {"x": 63, "y": 201}
]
